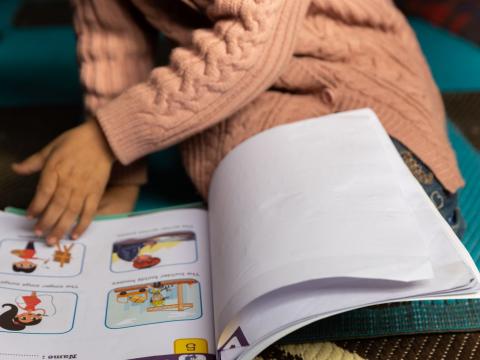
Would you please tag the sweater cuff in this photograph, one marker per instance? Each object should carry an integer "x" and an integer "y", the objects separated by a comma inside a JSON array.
[{"x": 128, "y": 126}]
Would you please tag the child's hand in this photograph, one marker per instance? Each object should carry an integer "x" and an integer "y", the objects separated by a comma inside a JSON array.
[
  {"x": 118, "y": 199},
  {"x": 75, "y": 170}
]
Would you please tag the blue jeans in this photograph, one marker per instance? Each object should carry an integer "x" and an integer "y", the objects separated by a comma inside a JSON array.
[{"x": 445, "y": 202}]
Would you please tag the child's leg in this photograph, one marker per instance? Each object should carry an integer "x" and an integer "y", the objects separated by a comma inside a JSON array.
[{"x": 444, "y": 201}]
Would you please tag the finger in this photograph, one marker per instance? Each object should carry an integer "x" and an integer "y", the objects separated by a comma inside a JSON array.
[
  {"x": 55, "y": 209},
  {"x": 45, "y": 189},
  {"x": 33, "y": 163},
  {"x": 88, "y": 212},
  {"x": 67, "y": 219}
]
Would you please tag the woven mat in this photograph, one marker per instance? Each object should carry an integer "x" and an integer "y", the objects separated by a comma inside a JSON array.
[
  {"x": 317, "y": 351},
  {"x": 463, "y": 346}
]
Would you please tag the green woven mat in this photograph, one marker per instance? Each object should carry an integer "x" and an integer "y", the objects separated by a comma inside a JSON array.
[{"x": 420, "y": 316}]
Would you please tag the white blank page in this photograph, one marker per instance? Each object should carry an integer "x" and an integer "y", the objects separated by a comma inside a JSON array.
[{"x": 317, "y": 199}]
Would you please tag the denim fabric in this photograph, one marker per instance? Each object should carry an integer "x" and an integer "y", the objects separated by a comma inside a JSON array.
[{"x": 445, "y": 202}]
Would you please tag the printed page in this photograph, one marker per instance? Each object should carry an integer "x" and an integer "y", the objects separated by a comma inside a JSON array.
[
  {"x": 345, "y": 193},
  {"x": 132, "y": 288}
]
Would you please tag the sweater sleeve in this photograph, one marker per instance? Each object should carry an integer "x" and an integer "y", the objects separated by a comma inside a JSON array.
[
  {"x": 114, "y": 51},
  {"x": 224, "y": 68}
]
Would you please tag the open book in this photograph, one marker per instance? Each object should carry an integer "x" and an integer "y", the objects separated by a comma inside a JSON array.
[{"x": 305, "y": 221}]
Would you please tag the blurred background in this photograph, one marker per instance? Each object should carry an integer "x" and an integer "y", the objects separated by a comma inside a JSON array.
[{"x": 40, "y": 95}]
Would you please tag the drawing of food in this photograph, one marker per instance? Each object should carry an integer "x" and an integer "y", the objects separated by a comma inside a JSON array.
[
  {"x": 168, "y": 300},
  {"x": 162, "y": 249}
]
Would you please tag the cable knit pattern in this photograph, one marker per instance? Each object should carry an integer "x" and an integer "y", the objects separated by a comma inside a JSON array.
[
  {"x": 251, "y": 65},
  {"x": 130, "y": 56}
]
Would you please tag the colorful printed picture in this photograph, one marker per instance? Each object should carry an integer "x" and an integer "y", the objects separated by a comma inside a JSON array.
[
  {"x": 164, "y": 301},
  {"x": 163, "y": 249},
  {"x": 35, "y": 258},
  {"x": 36, "y": 312}
]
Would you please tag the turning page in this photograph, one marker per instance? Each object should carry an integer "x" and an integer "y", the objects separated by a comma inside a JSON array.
[
  {"x": 133, "y": 288},
  {"x": 318, "y": 217}
]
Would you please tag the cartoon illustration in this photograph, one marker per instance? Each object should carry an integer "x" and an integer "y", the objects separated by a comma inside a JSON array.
[
  {"x": 167, "y": 300},
  {"x": 145, "y": 261},
  {"x": 133, "y": 294},
  {"x": 157, "y": 299},
  {"x": 15, "y": 320},
  {"x": 36, "y": 312},
  {"x": 162, "y": 249},
  {"x": 63, "y": 256},
  {"x": 27, "y": 255},
  {"x": 155, "y": 292},
  {"x": 35, "y": 258}
]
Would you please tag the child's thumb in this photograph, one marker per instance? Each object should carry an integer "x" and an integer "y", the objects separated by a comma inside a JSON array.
[{"x": 30, "y": 165}]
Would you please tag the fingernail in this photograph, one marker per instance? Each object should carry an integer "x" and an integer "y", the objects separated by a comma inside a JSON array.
[
  {"x": 52, "y": 240},
  {"x": 74, "y": 236},
  {"x": 38, "y": 232}
]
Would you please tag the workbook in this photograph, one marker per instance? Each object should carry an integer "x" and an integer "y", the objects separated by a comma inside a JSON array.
[{"x": 304, "y": 221}]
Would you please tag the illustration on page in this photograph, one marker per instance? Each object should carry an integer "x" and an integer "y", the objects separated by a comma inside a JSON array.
[
  {"x": 159, "y": 250},
  {"x": 35, "y": 258},
  {"x": 36, "y": 312},
  {"x": 158, "y": 302}
]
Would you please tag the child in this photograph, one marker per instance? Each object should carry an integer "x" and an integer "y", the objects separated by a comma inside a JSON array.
[
  {"x": 241, "y": 66},
  {"x": 27, "y": 255},
  {"x": 13, "y": 321}
]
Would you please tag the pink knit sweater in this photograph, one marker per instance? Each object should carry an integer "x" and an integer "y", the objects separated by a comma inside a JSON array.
[{"x": 242, "y": 66}]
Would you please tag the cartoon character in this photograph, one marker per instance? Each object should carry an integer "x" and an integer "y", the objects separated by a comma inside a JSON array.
[
  {"x": 31, "y": 315},
  {"x": 26, "y": 265},
  {"x": 157, "y": 298}
]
